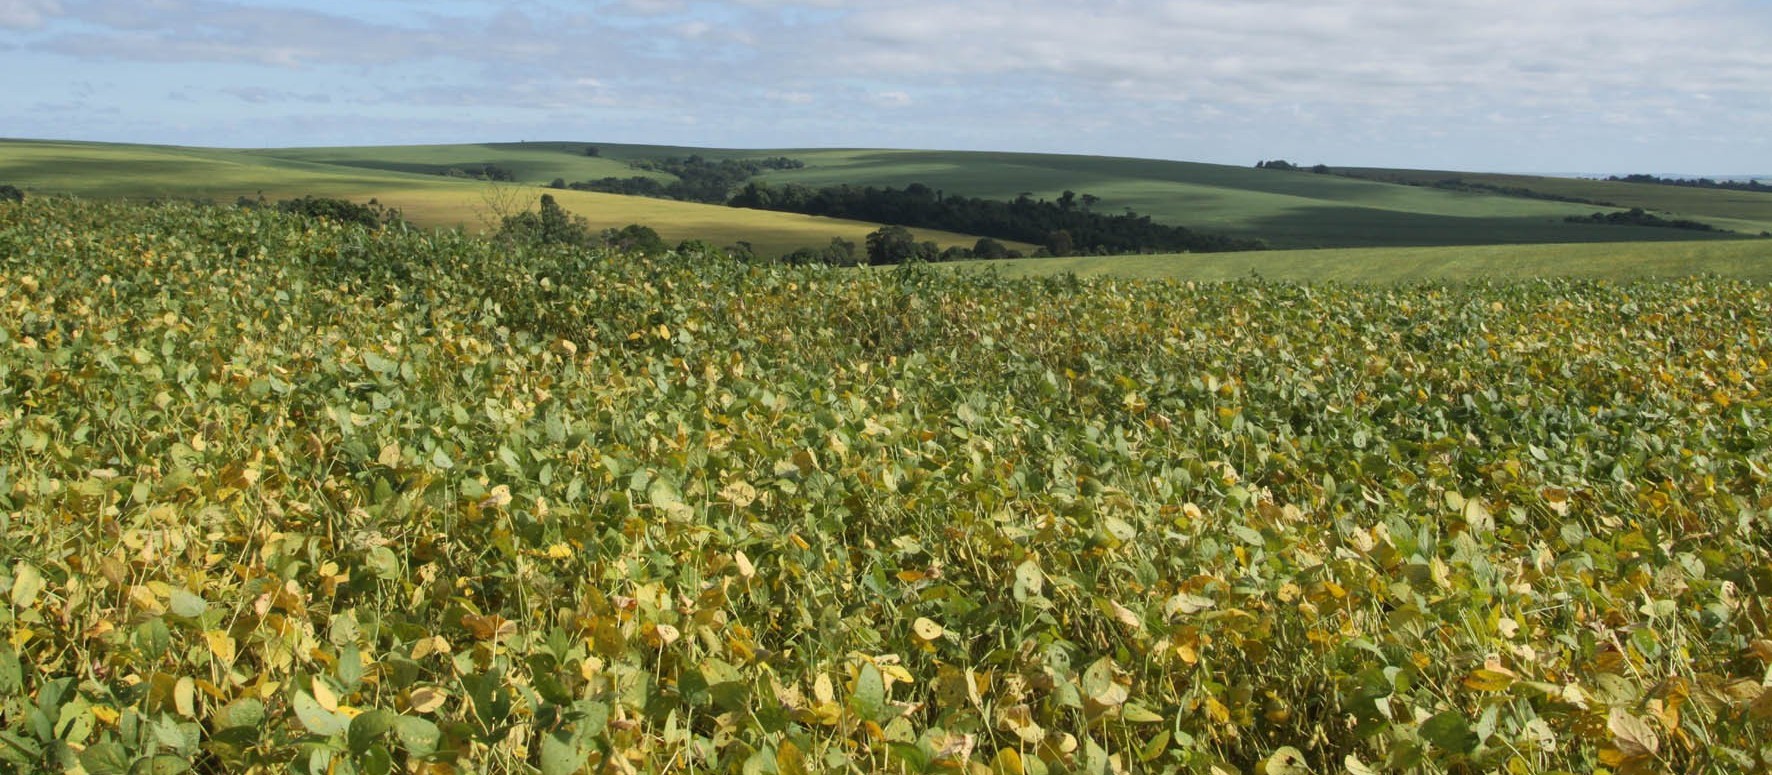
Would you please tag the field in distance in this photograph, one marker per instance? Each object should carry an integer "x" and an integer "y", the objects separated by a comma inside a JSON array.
[
  {"x": 1742, "y": 259},
  {"x": 107, "y": 171},
  {"x": 1287, "y": 209}
]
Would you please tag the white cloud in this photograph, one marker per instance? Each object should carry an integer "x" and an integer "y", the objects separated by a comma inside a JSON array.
[
  {"x": 891, "y": 99},
  {"x": 27, "y": 14},
  {"x": 1441, "y": 79}
]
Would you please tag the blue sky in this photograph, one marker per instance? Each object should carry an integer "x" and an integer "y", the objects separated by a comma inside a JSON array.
[{"x": 1528, "y": 85}]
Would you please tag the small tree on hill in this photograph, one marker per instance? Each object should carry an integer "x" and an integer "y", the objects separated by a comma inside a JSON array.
[
  {"x": 551, "y": 226},
  {"x": 634, "y": 238},
  {"x": 989, "y": 248},
  {"x": 891, "y": 245},
  {"x": 1059, "y": 243},
  {"x": 11, "y": 194}
]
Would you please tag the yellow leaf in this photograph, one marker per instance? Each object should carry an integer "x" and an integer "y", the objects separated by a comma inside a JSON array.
[
  {"x": 429, "y": 646},
  {"x": 1217, "y": 711},
  {"x": 184, "y": 697},
  {"x": 221, "y": 646},
  {"x": 1487, "y": 680},
  {"x": 896, "y": 673},
  {"x": 926, "y": 629},
  {"x": 1007, "y": 762},
  {"x": 498, "y": 498},
  {"x": 745, "y": 568},
  {"x": 324, "y": 695}
]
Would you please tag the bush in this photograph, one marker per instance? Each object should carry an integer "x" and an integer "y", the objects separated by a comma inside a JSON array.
[
  {"x": 372, "y": 215},
  {"x": 11, "y": 194}
]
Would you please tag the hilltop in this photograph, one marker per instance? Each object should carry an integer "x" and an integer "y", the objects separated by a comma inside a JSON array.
[{"x": 1346, "y": 208}]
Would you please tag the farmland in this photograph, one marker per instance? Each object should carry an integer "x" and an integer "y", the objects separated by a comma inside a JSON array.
[
  {"x": 113, "y": 171},
  {"x": 1738, "y": 259},
  {"x": 281, "y": 492},
  {"x": 1289, "y": 210}
]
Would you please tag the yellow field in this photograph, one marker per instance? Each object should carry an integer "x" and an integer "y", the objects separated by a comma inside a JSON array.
[{"x": 98, "y": 170}]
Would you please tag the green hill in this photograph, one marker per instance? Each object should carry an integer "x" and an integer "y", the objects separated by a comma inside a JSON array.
[
  {"x": 1287, "y": 209},
  {"x": 397, "y": 177}
]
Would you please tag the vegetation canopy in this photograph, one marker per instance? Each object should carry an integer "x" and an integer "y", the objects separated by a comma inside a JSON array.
[{"x": 285, "y": 492}]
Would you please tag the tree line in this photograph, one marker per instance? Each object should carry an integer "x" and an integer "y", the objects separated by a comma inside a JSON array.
[
  {"x": 1637, "y": 216},
  {"x": 697, "y": 179},
  {"x": 1731, "y": 185},
  {"x": 1068, "y": 226}
]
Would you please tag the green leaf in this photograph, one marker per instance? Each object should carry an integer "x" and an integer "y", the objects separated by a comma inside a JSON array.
[
  {"x": 1449, "y": 731},
  {"x": 1098, "y": 678},
  {"x": 368, "y": 726},
  {"x": 377, "y": 761},
  {"x": 162, "y": 764},
  {"x": 561, "y": 755},
  {"x": 383, "y": 563},
  {"x": 12, "y": 672},
  {"x": 318, "y": 720},
  {"x": 188, "y": 605},
  {"x": 419, "y": 736},
  {"x": 105, "y": 758},
  {"x": 244, "y": 712},
  {"x": 869, "y": 698}
]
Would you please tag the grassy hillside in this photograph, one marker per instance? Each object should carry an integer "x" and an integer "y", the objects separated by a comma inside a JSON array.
[
  {"x": 1289, "y": 210},
  {"x": 1745, "y": 211},
  {"x": 1744, "y": 259},
  {"x": 102, "y": 170},
  {"x": 414, "y": 502}
]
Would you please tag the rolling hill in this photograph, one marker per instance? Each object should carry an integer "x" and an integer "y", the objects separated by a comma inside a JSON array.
[
  {"x": 1287, "y": 209},
  {"x": 1290, "y": 210},
  {"x": 105, "y": 171}
]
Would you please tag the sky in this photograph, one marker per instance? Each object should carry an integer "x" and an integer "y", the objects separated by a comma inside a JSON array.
[{"x": 1556, "y": 86}]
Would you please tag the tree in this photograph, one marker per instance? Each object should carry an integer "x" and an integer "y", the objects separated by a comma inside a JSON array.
[
  {"x": 552, "y": 226},
  {"x": 891, "y": 245},
  {"x": 1059, "y": 243},
  {"x": 558, "y": 183},
  {"x": 591, "y": 150},
  {"x": 840, "y": 252},
  {"x": 556, "y": 223},
  {"x": 989, "y": 248},
  {"x": 372, "y": 215},
  {"x": 634, "y": 238},
  {"x": 11, "y": 194}
]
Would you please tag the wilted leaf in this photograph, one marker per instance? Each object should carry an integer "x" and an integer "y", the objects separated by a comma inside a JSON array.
[{"x": 1632, "y": 735}]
